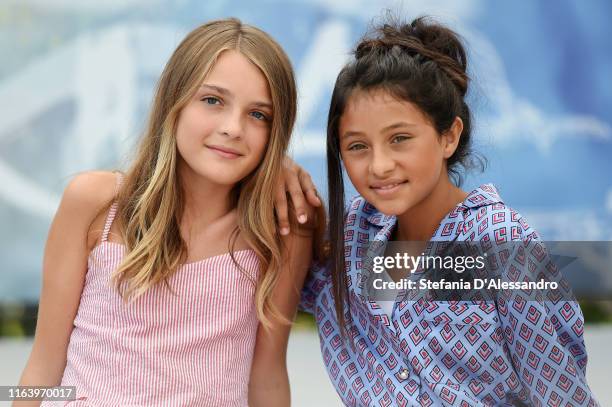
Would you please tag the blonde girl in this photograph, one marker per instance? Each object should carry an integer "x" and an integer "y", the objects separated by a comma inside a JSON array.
[{"x": 169, "y": 284}]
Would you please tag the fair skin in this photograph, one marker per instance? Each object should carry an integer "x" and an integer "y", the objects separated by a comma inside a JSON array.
[
  {"x": 74, "y": 231},
  {"x": 221, "y": 137}
]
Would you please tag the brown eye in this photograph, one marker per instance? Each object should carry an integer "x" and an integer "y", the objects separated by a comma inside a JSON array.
[
  {"x": 399, "y": 139},
  {"x": 356, "y": 146}
]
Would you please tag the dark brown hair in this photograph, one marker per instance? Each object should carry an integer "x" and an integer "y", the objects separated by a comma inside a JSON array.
[{"x": 423, "y": 63}]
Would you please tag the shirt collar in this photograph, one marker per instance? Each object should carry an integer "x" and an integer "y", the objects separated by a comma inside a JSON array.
[{"x": 484, "y": 195}]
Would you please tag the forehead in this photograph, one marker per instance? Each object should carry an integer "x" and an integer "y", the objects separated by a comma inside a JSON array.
[
  {"x": 235, "y": 72},
  {"x": 376, "y": 108}
]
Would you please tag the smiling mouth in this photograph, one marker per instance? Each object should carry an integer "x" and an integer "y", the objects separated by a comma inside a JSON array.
[
  {"x": 388, "y": 189},
  {"x": 224, "y": 152}
]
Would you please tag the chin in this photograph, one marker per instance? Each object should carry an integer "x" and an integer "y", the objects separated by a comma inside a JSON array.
[
  {"x": 391, "y": 210},
  {"x": 218, "y": 177},
  {"x": 226, "y": 181},
  {"x": 393, "y": 207}
]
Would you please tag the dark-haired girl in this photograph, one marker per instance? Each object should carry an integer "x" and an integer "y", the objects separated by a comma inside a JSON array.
[{"x": 400, "y": 126}]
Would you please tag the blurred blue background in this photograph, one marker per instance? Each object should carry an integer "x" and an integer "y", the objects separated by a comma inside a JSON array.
[{"x": 77, "y": 77}]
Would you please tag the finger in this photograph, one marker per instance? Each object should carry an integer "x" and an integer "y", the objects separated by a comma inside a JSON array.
[
  {"x": 280, "y": 206},
  {"x": 297, "y": 196},
  {"x": 310, "y": 188},
  {"x": 313, "y": 198}
]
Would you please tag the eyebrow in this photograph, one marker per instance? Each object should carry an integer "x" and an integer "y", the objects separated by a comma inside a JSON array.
[
  {"x": 265, "y": 105},
  {"x": 219, "y": 89},
  {"x": 226, "y": 92},
  {"x": 387, "y": 128}
]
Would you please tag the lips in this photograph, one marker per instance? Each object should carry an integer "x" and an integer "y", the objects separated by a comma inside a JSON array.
[
  {"x": 224, "y": 152},
  {"x": 387, "y": 184},
  {"x": 388, "y": 187}
]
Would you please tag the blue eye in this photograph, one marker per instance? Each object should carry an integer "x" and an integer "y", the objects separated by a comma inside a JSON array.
[
  {"x": 211, "y": 100},
  {"x": 259, "y": 115}
]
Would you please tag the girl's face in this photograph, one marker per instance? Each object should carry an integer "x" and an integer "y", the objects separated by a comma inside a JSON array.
[
  {"x": 392, "y": 153},
  {"x": 223, "y": 131}
]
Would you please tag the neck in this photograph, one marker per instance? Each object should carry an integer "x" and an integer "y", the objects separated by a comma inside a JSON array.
[
  {"x": 204, "y": 201},
  {"x": 420, "y": 222}
]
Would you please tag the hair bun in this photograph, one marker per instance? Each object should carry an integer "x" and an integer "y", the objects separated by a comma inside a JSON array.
[{"x": 423, "y": 37}]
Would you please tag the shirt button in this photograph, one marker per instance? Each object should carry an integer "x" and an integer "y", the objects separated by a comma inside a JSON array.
[{"x": 403, "y": 374}]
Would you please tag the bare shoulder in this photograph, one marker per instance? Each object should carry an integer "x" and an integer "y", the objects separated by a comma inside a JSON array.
[
  {"x": 85, "y": 197},
  {"x": 90, "y": 189}
]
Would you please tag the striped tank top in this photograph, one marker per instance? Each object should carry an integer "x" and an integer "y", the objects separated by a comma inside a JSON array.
[{"x": 189, "y": 347}]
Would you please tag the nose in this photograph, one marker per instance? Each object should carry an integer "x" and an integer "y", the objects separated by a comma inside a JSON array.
[
  {"x": 232, "y": 124},
  {"x": 381, "y": 163}
]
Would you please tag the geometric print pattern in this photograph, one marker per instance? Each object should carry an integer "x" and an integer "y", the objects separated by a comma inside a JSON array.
[{"x": 506, "y": 352}]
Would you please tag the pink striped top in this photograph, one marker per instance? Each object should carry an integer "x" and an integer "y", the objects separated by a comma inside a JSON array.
[{"x": 194, "y": 347}]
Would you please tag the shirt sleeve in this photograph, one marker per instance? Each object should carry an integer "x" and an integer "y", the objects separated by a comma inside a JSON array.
[
  {"x": 543, "y": 331},
  {"x": 318, "y": 276}
]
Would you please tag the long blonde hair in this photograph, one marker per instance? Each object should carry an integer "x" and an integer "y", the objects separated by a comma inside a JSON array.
[{"x": 151, "y": 202}]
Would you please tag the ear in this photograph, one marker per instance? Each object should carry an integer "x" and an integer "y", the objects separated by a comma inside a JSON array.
[{"x": 450, "y": 139}]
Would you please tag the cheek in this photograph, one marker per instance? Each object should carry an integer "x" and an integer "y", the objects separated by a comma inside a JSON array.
[
  {"x": 182, "y": 139},
  {"x": 427, "y": 160},
  {"x": 257, "y": 146},
  {"x": 193, "y": 125},
  {"x": 261, "y": 144},
  {"x": 357, "y": 171}
]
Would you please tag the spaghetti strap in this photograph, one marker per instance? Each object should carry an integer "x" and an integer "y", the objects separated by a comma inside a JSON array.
[{"x": 112, "y": 211}]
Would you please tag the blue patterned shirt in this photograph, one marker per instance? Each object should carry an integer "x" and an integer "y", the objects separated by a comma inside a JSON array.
[{"x": 500, "y": 353}]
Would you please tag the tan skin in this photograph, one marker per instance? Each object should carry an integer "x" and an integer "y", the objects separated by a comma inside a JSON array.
[
  {"x": 297, "y": 184},
  {"x": 397, "y": 162},
  {"x": 399, "y": 146},
  {"x": 234, "y": 111}
]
